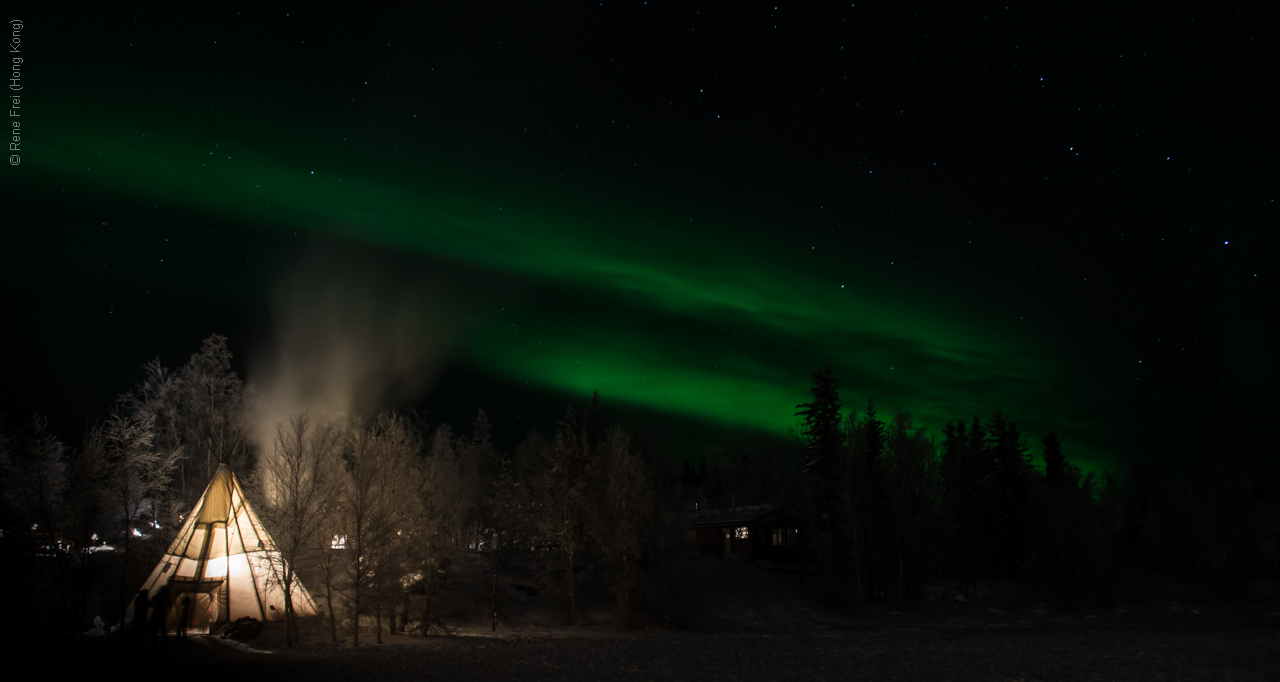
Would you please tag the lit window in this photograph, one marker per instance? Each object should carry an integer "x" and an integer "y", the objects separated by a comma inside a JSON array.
[
  {"x": 777, "y": 536},
  {"x": 740, "y": 533},
  {"x": 792, "y": 534},
  {"x": 339, "y": 542}
]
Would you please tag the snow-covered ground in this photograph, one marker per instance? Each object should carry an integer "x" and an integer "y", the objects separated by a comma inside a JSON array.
[
  {"x": 737, "y": 622},
  {"x": 890, "y": 652}
]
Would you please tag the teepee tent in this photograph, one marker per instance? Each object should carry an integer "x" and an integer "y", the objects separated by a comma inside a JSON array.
[{"x": 225, "y": 562}]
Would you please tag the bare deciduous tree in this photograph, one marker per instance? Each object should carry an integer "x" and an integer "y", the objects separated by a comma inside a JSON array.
[
  {"x": 513, "y": 503},
  {"x": 297, "y": 479},
  {"x": 624, "y": 514},
  {"x": 330, "y": 565},
  {"x": 159, "y": 398},
  {"x": 199, "y": 408},
  {"x": 376, "y": 466},
  {"x": 443, "y": 500},
  {"x": 912, "y": 491},
  {"x": 85, "y": 508},
  {"x": 34, "y": 471},
  {"x": 395, "y": 444},
  {"x": 213, "y": 401},
  {"x": 359, "y": 499},
  {"x": 562, "y": 501},
  {"x": 138, "y": 473},
  {"x": 482, "y": 462}
]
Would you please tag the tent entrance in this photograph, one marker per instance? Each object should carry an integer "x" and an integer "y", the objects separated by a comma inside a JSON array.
[
  {"x": 199, "y": 614},
  {"x": 225, "y": 562}
]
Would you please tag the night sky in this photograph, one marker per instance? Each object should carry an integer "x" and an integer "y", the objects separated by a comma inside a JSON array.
[{"x": 1064, "y": 213}]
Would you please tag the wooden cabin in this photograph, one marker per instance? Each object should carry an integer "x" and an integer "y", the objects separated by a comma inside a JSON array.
[{"x": 746, "y": 533}]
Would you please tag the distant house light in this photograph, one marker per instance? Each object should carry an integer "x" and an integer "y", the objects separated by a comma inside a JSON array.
[
  {"x": 339, "y": 542},
  {"x": 740, "y": 533}
]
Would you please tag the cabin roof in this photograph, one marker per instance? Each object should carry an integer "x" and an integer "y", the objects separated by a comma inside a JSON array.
[{"x": 734, "y": 516}]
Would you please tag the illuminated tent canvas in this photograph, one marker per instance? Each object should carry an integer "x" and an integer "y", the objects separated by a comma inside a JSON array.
[{"x": 225, "y": 561}]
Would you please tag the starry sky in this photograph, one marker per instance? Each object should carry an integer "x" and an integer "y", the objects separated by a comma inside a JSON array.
[{"x": 1064, "y": 214}]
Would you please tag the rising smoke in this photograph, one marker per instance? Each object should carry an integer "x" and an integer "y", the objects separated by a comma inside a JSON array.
[{"x": 352, "y": 333}]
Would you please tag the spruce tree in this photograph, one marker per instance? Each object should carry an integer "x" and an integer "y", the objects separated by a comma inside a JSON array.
[
  {"x": 958, "y": 499},
  {"x": 820, "y": 430},
  {"x": 954, "y": 444},
  {"x": 968, "y": 484},
  {"x": 821, "y": 424},
  {"x": 875, "y": 433},
  {"x": 1054, "y": 463},
  {"x": 872, "y": 512},
  {"x": 1011, "y": 467}
]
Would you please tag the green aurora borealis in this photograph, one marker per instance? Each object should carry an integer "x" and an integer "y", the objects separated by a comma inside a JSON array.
[{"x": 698, "y": 316}]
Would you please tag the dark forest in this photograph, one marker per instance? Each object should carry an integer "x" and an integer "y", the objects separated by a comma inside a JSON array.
[
  {"x": 377, "y": 513},
  {"x": 644, "y": 340}
]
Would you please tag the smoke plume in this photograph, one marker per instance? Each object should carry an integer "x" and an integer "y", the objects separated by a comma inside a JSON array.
[{"x": 351, "y": 334}]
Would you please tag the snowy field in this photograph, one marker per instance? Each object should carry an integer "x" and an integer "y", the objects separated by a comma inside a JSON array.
[
  {"x": 736, "y": 622},
  {"x": 885, "y": 653}
]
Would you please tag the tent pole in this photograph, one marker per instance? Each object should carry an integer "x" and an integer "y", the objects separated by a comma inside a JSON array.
[
  {"x": 226, "y": 537},
  {"x": 195, "y": 523},
  {"x": 235, "y": 484},
  {"x": 226, "y": 552}
]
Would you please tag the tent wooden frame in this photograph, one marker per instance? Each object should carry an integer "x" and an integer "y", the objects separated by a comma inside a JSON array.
[{"x": 224, "y": 560}]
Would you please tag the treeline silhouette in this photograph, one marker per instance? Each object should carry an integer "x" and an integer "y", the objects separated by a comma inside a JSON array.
[
  {"x": 381, "y": 517},
  {"x": 376, "y": 515},
  {"x": 892, "y": 506}
]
